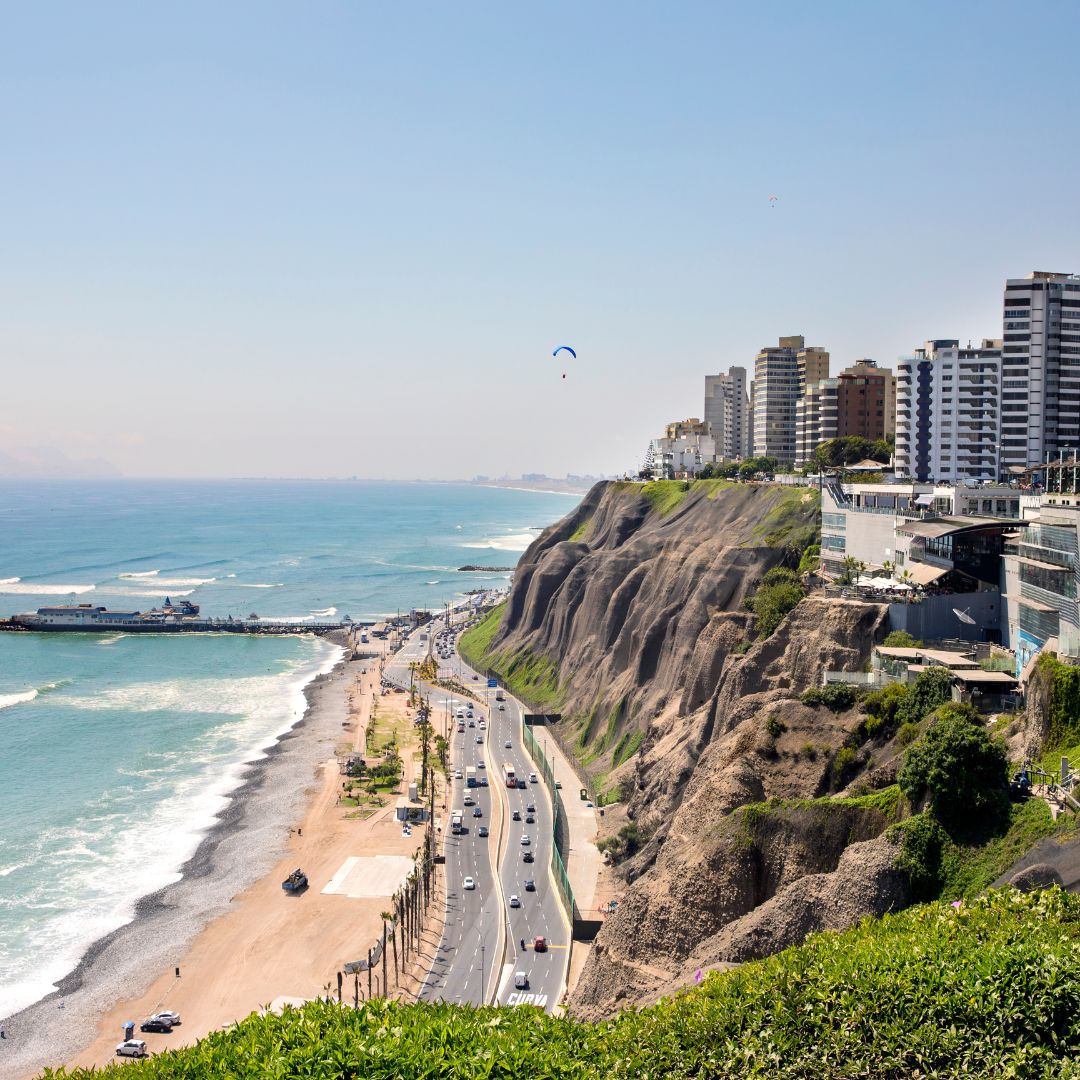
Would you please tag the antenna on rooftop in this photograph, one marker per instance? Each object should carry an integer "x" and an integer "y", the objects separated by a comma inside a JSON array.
[{"x": 963, "y": 616}]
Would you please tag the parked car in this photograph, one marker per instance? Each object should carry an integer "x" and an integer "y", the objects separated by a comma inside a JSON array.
[
  {"x": 152, "y": 1023},
  {"x": 133, "y": 1048},
  {"x": 171, "y": 1018},
  {"x": 469, "y": 883}
]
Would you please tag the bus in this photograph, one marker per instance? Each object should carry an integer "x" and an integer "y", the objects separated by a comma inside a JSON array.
[{"x": 509, "y": 776}]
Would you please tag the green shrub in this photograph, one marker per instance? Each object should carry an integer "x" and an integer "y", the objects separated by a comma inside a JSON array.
[
  {"x": 842, "y": 765},
  {"x": 908, "y": 733},
  {"x": 1063, "y": 702},
  {"x": 775, "y": 726},
  {"x": 835, "y": 696},
  {"x": 932, "y": 688},
  {"x": 810, "y": 560},
  {"x": 959, "y": 766},
  {"x": 772, "y": 601},
  {"x": 922, "y": 841},
  {"x": 742, "y": 647},
  {"x": 810, "y": 750},
  {"x": 901, "y": 639}
]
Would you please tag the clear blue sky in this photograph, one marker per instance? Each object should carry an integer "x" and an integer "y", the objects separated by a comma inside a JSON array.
[{"x": 335, "y": 238}]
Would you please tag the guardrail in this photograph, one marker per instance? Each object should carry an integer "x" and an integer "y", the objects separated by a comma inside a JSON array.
[{"x": 558, "y": 864}]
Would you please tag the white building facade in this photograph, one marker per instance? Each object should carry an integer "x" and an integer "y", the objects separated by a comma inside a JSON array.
[{"x": 727, "y": 414}]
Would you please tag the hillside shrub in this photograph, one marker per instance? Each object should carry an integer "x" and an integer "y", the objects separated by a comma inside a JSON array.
[
  {"x": 907, "y": 734},
  {"x": 842, "y": 765},
  {"x": 932, "y": 688},
  {"x": 901, "y": 639},
  {"x": 835, "y": 696},
  {"x": 883, "y": 705},
  {"x": 775, "y": 726},
  {"x": 779, "y": 592},
  {"x": 810, "y": 560},
  {"x": 959, "y": 766},
  {"x": 1063, "y": 702},
  {"x": 922, "y": 840}
]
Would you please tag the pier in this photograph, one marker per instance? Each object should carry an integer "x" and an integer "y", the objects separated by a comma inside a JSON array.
[{"x": 193, "y": 626}]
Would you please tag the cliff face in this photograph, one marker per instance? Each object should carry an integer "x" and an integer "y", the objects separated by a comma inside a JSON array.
[{"x": 633, "y": 608}]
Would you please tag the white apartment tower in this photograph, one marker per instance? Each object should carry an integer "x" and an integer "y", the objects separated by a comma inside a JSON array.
[
  {"x": 948, "y": 419},
  {"x": 1040, "y": 399},
  {"x": 727, "y": 414},
  {"x": 816, "y": 418},
  {"x": 781, "y": 376}
]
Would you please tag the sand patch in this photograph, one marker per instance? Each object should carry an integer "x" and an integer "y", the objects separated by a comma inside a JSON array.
[{"x": 364, "y": 876}]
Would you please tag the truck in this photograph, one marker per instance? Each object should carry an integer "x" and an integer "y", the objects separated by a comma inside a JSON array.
[
  {"x": 470, "y": 776},
  {"x": 500, "y": 694},
  {"x": 455, "y": 822},
  {"x": 295, "y": 882}
]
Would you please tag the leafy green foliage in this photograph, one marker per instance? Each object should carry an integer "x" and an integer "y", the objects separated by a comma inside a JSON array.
[
  {"x": 810, "y": 560},
  {"x": 626, "y": 842},
  {"x": 932, "y": 688},
  {"x": 721, "y": 470},
  {"x": 775, "y": 726},
  {"x": 882, "y": 708},
  {"x": 475, "y": 643},
  {"x": 1063, "y": 702},
  {"x": 922, "y": 841},
  {"x": 842, "y": 765},
  {"x": 751, "y": 467},
  {"x": 901, "y": 639},
  {"x": 986, "y": 990},
  {"x": 907, "y": 733},
  {"x": 959, "y": 766},
  {"x": 581, "y": 531},
  {"x": 836, "y": 453},
  {"x": 627, "y": 746},
  {"x": 835, "y": 696},
  {"x": 779, "y": 592}
]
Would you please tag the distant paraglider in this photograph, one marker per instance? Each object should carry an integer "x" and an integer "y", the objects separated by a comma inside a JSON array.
[
  {"x": 773, "y": 200},
  {"x": 569, "y": 350}
]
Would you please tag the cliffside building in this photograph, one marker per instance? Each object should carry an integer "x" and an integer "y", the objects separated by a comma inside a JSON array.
[
  {"x": 1040, "y": 369},
  {"x": 816, "y": 418},
  {"x": 727, "y": 414},
  {"x": 948, "y": 412},
  {"x": 781, "y": 376},
  {"x": 682, "y": 450}
]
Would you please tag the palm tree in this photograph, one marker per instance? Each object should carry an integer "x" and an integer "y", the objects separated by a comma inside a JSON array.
[{"x": 386, "y": 918}]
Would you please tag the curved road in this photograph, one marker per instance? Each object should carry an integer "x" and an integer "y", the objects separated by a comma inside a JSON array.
[{"x": 469, "y": 966}]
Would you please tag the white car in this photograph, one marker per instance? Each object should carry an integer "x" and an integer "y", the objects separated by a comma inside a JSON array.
[
  {"x": 133, "y": 1048},
  {"x": 502, "y": 708},
  {"x": 167, "y": 1017},
  {"x": 469, "y": 883},
  {"x": 521, "y": 980},
  {"x": 480, "y": 763},
  {"x": 515, "y": 900},
  {"x": 457, "y": 774},
  {"x": 508, "y": 744},
  {"x": 525, "y": 841}
]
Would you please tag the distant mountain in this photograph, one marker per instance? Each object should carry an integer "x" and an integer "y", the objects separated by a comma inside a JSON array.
[{"x": 48, "y": 463}]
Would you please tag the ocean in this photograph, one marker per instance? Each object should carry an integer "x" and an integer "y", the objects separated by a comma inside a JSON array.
[{"x": 118, "y": 752}]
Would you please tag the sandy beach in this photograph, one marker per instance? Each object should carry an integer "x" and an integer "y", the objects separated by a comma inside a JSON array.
[{"x": 238, "y": 940}]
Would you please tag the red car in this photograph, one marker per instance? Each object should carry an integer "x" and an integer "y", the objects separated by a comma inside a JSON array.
[{"x": 540, "y": 944}]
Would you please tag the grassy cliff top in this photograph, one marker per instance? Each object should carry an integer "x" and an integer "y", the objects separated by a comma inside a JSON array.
[{"x": 986, "y": 988}]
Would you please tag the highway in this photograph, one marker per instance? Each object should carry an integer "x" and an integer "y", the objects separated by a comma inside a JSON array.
[{"x": 470, "y": 965}]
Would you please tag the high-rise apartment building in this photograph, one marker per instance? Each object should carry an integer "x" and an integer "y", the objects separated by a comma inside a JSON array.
[
  {"x": 1040, "y": 397},
  {"x": 948, "y": 420},
  {"x": 866, "y": 403},
  {"x": 781, "y": 376},
  {"x": 816, "y": 418},
  {"x": 727, "y": 413}
]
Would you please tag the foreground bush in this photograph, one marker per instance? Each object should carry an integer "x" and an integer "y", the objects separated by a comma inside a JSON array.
[{"x": 986, "y": 989}]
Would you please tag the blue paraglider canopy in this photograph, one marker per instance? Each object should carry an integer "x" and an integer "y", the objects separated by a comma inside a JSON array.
[{"x": 567, "y": 348}]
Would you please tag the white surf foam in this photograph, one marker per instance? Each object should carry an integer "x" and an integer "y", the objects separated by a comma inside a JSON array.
[
  {"x": 158, "y": 594},
  {"x": 18, "y": 587},
  {"x": 511, "y": 542},
  {"x": 326, "y": 613},
  {"x": 245, "y": 585},
  {"x": 7, "y": 700},
  {"x": 140, "y": 574}
]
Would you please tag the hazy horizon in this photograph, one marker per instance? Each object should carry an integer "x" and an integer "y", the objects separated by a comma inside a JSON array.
[{"x": 259, "y": 241}]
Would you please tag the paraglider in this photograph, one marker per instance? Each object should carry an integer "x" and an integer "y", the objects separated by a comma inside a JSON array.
[
  {"x": 772, "y": 201},
  {"x": 569, "y": 350}
]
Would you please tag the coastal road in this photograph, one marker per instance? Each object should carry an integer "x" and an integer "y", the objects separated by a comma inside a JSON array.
[
  {"x": 467, "y": 961},
  {"x": 471, "y": 939}
]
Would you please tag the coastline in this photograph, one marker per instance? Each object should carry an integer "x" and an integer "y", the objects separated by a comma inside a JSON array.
[{"x": 245, "y": 842}]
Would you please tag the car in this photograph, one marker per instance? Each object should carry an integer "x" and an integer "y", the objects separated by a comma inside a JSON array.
[
  {"x": 483, "y": 781},
  {"x": 468, "y": 800},
  {"x": 133, "y": 1048},
  {"x": 479, "y": 740},
  {"x": 457, "y": 774},
  {"x": 530, "y": 819},
  {"x": 515, "y": 900},
  {"x": 521, "y": 980},
  {"x": 540, "y": 944},
  {"x": 530, "y": 885},
  {"x": 477, "y": 812},
  {"x": 483, "y": 725},
  {"x": 482, "y": 831},
  {"x": 476, "y": 678},
  {"x": 508, "y": 744},
  {"x": 152, "y": 1023},
  {"x": 558, "y": 785},
  {"x": 469, "y": 884},
  {"x": 532, "y": 778},
  {"x": 525, "y": 841},
  {"x": 502, "y": 708},
  {"x": 531, "y": 808},
  {"x": 480, "y": 763},
  {"x": 527, "y": 856},
  {"x": 170, "y": 1018},
  {"x": 472, "y": 723},
  {"x": 516, "y": 815}
]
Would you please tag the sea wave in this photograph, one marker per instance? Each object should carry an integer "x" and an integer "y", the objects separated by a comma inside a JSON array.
[
  {"x": 325, "y": 613},
  {"x": 246, "y": 585},
  {"x": 158, "y": 594},
  {"x": 7, "y": 700},
  {"x": 511, "y": 542},
  {"x": 18, "y": 587},
  {"x": 138, "y": 574},
  {"x": 165, "y": 582}
]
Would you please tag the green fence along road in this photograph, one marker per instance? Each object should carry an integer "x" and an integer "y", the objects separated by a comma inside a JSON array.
[{"x": 560, "y": 830}]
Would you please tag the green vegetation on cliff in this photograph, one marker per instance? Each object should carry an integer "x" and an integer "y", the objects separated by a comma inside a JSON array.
[
  {"x": 1062, "y": 689},
  {"x": 664, "y": 496},
  {"x": 986, "y": 989},
  {"x": 529, "y": 676}
]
